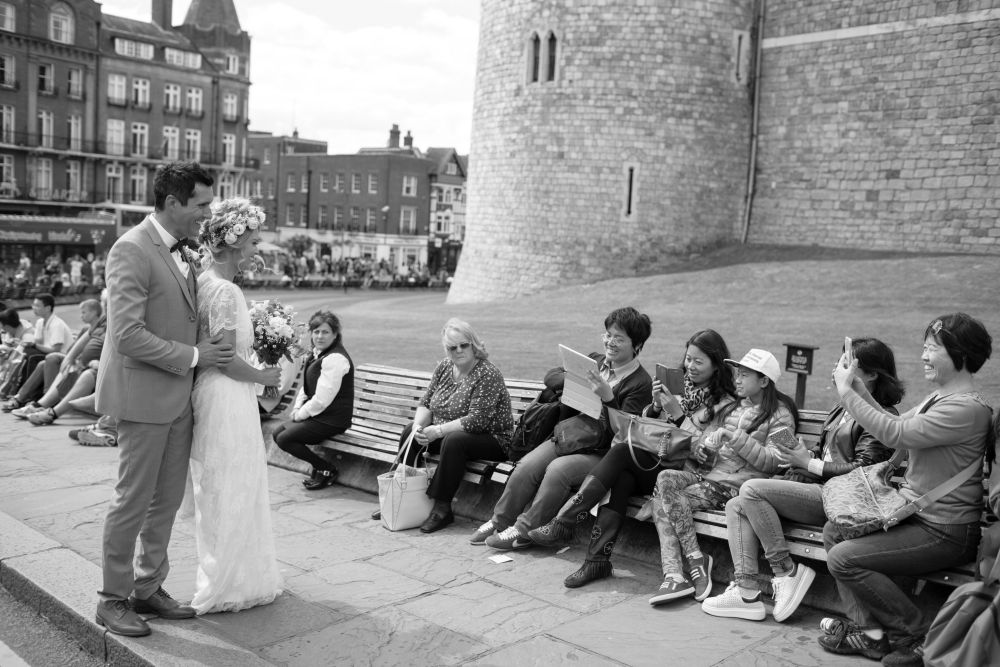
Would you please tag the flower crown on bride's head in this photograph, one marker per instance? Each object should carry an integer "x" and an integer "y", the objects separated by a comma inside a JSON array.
[{"x": 231, "y": 219}]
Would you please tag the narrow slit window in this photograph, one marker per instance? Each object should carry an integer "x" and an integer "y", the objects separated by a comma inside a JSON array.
[
  {"x": 536, "y": 56},
  {"x": 553, "y": 43},
  {"x": 629, "y": 185}
]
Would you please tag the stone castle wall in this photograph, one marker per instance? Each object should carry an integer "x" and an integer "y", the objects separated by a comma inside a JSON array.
[
  {"x": 878, "y": 125},
  {"x": 878, "y": 129},
  {"x": 649, "y": 87}
]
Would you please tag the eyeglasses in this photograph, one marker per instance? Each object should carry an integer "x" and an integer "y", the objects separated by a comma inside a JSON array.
[
  {"x": 614, "y": 340},
  {"x": 456, "y": 348}
]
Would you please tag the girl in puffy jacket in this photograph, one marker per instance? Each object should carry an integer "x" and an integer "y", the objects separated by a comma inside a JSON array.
[{"x": 729, "y": 452}]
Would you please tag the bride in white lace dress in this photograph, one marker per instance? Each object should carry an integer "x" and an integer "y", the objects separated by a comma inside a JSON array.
[{"x": 237, "y": 568}]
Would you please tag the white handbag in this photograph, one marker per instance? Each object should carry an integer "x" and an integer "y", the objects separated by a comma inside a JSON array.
[{"x": 402, "y": 493}]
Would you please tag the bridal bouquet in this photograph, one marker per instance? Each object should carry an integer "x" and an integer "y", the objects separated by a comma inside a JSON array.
[{"x": 275, "y": 334}]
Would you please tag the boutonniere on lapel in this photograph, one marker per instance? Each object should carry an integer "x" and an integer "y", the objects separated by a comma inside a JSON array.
[{"x": 189, "y": 251}]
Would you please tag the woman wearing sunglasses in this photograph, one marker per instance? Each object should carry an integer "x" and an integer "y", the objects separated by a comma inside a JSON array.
[{"x": 465, "y": 414}]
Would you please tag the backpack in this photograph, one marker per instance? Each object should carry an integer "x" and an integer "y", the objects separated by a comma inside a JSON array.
[
  {"x": 535, "y": 425},
  {"x": 966, "y": 630}
]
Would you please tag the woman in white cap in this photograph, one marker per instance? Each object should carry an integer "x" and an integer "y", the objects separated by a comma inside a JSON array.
[{"x": 729, "y": 452}]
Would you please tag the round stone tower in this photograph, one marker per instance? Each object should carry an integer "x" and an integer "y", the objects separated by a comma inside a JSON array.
[{"x": 606, "y": 134}]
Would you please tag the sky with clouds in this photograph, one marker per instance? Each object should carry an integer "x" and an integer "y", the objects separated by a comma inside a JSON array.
[{"x": 343, "y": 71}]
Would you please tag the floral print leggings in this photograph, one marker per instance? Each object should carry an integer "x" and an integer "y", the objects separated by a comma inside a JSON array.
[{"x": 678, "y": 494}]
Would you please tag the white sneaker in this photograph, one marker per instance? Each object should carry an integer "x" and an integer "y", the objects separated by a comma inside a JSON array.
[
  {"x": 789, "y": 591},
  {"x": 732, "y": 605},
  {"x": 479, "y": 537}
]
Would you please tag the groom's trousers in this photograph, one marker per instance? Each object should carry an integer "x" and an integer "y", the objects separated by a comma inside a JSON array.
[{"x": 152, "y": 473}]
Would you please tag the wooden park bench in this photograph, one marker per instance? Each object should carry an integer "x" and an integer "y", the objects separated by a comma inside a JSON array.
[{"x": 386, "y": 399}]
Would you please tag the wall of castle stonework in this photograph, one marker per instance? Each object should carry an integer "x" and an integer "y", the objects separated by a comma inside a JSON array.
[
  {"x": 796, "y": 17},
  {"x": 880, "y": 135},
  {"x": 644, "y": 85}
]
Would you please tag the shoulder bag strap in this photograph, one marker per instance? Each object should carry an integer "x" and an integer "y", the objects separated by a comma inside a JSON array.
[{"x": 941, "y": 490}]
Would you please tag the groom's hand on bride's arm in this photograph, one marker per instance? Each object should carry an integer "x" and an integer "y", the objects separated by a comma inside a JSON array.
[{"x": 214, "y": 352}]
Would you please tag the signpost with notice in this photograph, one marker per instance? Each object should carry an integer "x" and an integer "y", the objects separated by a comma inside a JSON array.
[{"x": 799, "y": 360}]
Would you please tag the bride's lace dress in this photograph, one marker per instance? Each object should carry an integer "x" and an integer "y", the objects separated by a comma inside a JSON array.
[{"x": 236, "y": 560}]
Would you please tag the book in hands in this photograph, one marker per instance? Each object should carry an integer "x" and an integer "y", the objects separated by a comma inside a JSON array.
[
  {"x": 783, "y": 438},
  {"x": 577, "y": 392}
]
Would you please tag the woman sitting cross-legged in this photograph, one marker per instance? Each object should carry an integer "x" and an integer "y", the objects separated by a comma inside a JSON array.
[
  {"x": 325, "y": 403},
  {"x": 543, "y": 480},
  {"x": 753, "y": 518},
  {"x": 731, "y": 452},
  {"x": 465, "y": 413},
  {"x": 946, "y": 435},
  {"x": 708, "y": 390}
]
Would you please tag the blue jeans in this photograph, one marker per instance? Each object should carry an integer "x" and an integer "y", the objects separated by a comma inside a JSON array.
[
  {"x": 862, "y": 567},
  {"x": 539, "y": 486},
  {"x": 754, "y": 521}
]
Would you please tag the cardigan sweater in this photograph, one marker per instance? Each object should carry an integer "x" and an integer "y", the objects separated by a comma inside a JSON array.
[{"x": 941, "y": 442}]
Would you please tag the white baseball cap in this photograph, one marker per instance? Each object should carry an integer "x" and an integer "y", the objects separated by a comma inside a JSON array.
[{"x": 761, "y": 361}]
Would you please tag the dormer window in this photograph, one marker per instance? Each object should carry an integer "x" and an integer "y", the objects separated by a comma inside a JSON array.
[
  {"x": 61, "y": 24},
  {"x": 232, "y": 64}
]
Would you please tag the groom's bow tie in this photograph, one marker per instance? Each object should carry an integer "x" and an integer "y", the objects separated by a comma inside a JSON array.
[{"x": 184, "y": 243}]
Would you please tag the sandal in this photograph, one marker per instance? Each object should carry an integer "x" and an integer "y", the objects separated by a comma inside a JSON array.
[{"x": 320, "y": 479}]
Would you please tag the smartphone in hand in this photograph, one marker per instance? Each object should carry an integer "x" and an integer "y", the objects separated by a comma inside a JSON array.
[
  {"x": 671, "y": 378},
  {"x": 849, "y": 350}
]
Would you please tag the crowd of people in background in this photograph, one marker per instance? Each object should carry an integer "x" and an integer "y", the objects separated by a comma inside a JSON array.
[
  {"x": 56, "y": 275},
  {"x": 363, "y": 272}
]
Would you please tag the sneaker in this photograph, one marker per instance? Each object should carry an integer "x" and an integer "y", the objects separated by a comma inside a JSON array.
[
  {"x": 908, "y": 653},
  {"x": 508, "y": 540},
  {"x": 789, "y": 591},
  {"x": 23, "y": 412},
  {"x": 74, "y": 434},
  {"x": 701, "y": 577},
  {"x": 479, "y": 537},
  {"x": 96, "y": 438},
  {"x": 671, "y": 589},
  {"x": 732, "y": 605},
  {"x": 11, "y": 404},
  {"x": 852, "y": 641},
  {"x": 832, "y": 626},
  {"x": 43, "y": 417}
]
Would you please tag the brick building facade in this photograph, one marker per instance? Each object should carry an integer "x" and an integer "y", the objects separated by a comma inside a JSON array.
[
  {"x": 91, "y": 104},
  {"x": 605, "y": 136}
]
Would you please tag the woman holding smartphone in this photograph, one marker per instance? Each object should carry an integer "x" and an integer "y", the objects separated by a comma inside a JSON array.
[
  {"x": 708, "y": 389},
  {"x": 754, "y": 516},
  {"x": 947, "y": 434}
]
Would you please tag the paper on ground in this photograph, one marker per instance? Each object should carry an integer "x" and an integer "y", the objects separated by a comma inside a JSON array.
[
  {"x": 500, "y": 558},
  {"x": 576, "y": 387}
]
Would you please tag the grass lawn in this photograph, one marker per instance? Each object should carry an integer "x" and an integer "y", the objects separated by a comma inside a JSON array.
[{"x": 754, "y": 297}]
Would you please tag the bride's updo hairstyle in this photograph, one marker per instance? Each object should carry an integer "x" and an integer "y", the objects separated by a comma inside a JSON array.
[{"x": 231, "y": 226}]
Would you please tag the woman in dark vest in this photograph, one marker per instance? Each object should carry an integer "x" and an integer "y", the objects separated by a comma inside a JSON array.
[{"x": 324, "y": 404}]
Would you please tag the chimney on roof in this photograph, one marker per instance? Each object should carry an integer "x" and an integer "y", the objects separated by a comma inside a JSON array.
[
  {"x": 408, "y": 140},
  {"x": 394, "y": 136},
  {"x": 295, "y": 133},
  {"x": 163, "y": 13}
]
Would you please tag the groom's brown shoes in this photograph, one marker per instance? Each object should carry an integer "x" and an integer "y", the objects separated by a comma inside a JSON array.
[
  {"x": 117, "y": 616},
  {"x": 161, "y": 604}
]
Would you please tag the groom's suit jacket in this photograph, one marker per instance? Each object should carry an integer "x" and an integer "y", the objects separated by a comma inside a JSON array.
[{"x": 145, "y": 372}]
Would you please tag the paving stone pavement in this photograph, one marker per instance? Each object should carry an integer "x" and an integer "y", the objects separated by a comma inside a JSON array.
[{"x": 356, "y": 593}]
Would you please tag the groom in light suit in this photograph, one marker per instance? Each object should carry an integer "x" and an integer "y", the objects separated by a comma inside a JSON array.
[{"x": 144, "y": 382}]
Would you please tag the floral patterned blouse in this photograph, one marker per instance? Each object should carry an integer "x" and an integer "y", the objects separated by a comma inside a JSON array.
[{"x": 480, "y": 400}]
